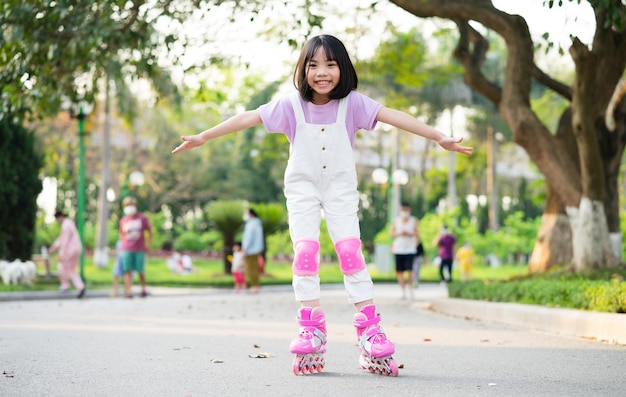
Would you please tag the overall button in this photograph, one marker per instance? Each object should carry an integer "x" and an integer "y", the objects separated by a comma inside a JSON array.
[
  {"x": 323, "y": 148},
  {"x": 324, "y": 167},
  {"x": 323, "y": 129}
]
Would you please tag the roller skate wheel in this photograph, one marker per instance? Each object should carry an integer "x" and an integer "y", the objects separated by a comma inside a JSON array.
[{"x": 393, "y": 367}]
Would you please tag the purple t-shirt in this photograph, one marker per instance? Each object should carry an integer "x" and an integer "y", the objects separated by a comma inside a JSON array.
[
  {"x": 278, "y": 115},
  {"x": 446, "y": 246}
]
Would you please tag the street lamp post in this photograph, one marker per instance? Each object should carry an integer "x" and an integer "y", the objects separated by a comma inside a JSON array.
[
  {"x": 81, "y": 188},
  {"x": 392, "y": 186}
]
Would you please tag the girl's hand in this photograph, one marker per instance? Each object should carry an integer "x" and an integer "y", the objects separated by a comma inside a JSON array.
[
  {"x": 189, "y": 142},
  {"x": 452, "y": 144}
]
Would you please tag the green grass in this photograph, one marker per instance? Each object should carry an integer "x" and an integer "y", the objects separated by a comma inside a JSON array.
[{"x": 210, "y": 273}]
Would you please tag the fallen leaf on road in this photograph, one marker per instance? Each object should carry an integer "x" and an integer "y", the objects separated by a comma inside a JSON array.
[{"x": 261, "y": 355}]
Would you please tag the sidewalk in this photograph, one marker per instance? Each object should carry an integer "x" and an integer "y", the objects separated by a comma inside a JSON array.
[{"x": 602, "y": 327}]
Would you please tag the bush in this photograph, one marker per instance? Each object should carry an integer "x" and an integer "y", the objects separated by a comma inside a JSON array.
[
  {"x": 568, "y": 291},
  {"x": 194, "y": 242}
]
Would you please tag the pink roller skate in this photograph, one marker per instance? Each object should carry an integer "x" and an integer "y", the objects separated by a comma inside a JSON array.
[
  {"x": 310, "y": 344},
  {"x": 375, "y": 348}
]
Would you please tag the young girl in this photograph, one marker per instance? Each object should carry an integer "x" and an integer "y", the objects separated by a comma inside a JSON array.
[
  {"x": 320, "y": 121},
  {"x": 238, "y": 268}
]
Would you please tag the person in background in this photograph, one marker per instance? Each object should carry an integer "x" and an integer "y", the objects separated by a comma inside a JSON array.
[
  {"x": 447, "y": 247},
  {"x": 133, "y": 228},
  {"x": 405, "y": 234},
  {"x": 417, "y": 263},
  {"x": 238, "y": 268},
  {"x": 118, "y": 271},
  {"x": 70, "y": 247},
  {"x": 252, "y": 245},
  {"x": 465, "y": 256}
]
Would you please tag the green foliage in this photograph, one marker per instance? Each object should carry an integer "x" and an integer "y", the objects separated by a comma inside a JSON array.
[
  {"x": 549, "y": 107},
  {"x": 45, "y": 234},
  {"x": 56, "y": 50},
  {"x": 194, "y": 242},
  {"x": 226, "y": 216},
  {"x": 159, "y": 234},
  {"x": 279, "y": 244},
  {"x": 273, "y": 216},
  {"x": 20, "y": 165},
  {"x": 601, "y": 292}
]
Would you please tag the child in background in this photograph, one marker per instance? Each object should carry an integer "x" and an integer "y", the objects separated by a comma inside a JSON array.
[
  {"x": 465, "y": 256},
  {"x": 238, "y": 269},
  {"x": 117, "y": 268},
  {"x": 321, "y": 119}
]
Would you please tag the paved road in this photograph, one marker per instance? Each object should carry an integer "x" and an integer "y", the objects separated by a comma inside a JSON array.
[{"x": 204, "y": 344}]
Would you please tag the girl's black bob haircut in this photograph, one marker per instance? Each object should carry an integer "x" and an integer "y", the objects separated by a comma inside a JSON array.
[{"x": 336, "y": 51}]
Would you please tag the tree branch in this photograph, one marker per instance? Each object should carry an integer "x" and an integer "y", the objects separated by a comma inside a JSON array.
[
  {"x": 472, "y": 60},
  {"x": 560, "y": 88}
]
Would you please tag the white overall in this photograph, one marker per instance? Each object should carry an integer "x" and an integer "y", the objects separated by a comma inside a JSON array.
[{"x": 321, "y": 174}]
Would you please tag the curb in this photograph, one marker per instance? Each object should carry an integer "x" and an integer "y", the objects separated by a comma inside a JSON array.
[{"x": 603, "y": 327}]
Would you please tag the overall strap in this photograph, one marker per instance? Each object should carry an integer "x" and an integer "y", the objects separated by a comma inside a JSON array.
[
  {"x": 297, "y": 107},
  {"x": 343, "y": 109}
]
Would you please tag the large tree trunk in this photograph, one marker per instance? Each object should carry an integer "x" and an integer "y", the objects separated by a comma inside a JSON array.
[
  {"x": 612, "y": 143},
  {"x": 554, "y": 239},
  {"x": 576, "y": 177},
  {"x": 590, "y": 236}
]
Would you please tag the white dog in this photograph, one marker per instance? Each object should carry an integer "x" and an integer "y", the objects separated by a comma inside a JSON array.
[{"x": 18, "y": 272}]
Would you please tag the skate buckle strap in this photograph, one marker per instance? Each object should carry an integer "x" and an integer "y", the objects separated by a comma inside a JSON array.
[
  {"x": 372, "y": 332},
  {"x": 319, "y": 334},
  {"x": 311, "y": 323},
  {"x": 366, "y": 323}
]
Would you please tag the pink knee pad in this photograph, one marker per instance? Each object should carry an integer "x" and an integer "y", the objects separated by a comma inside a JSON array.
[
  {"x": 350, "y": 256},
  {"x": 306, "y": 260}
]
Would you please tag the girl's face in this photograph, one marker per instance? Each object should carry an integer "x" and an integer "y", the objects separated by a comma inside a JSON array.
[{"x": 322, "y": 76}]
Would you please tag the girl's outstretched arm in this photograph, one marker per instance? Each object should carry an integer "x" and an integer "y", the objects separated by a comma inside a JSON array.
[
  {"x": 236, "y": 123},
  {"x": 409, "y": 123}
]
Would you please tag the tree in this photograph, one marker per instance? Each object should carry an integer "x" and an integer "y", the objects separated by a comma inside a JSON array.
[
  {"x": 226, "y": 217},
  {"x": 20, "y": 164},
  {"x": 580, "y": 159},
  {"x": 273, "y": 217}
]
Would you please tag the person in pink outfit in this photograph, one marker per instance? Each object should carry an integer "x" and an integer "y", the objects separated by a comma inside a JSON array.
[
  {"x": 320, "y": 120},
  {"x": 70, "y": 247}
]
